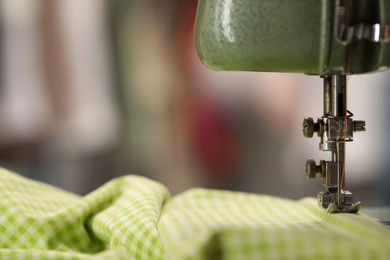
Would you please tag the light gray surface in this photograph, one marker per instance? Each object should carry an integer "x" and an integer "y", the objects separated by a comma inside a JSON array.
[{"x": 382, "y": 214}]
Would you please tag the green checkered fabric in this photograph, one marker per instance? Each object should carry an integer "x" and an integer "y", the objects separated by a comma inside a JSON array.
[{"x": 132, "y": 217}]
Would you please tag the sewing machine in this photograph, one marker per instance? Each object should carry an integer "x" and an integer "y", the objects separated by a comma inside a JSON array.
[{"x": 328, "y": 38}]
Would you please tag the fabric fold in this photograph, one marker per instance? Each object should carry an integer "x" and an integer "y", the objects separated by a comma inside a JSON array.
[{"x": 132, "y": 217}]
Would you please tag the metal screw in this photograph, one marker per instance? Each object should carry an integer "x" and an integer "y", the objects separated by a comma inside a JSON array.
[
  {"x": 359, "y": 125},
  {"x": 312, "y": 169},
  {"x": 308, "y": 127}
]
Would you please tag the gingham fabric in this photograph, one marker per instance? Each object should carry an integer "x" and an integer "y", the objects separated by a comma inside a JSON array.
[{"x": 133, "y": 218}]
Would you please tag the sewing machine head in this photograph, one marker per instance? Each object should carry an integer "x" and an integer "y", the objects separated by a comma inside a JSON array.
[{"x": 329, "y": 38}]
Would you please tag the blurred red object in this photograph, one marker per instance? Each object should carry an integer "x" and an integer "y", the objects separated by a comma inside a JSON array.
[{"x": 213, "y": 139}]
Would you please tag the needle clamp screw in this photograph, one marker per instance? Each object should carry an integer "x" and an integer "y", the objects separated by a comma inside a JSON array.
[{"x": 309, "y": 127}]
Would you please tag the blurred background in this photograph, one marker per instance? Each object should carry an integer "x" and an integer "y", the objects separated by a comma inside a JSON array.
[{"x": 95, "y": 89}]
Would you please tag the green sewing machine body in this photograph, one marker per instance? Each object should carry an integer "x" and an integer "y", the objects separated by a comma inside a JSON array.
[{"x": 303, "y": 36}]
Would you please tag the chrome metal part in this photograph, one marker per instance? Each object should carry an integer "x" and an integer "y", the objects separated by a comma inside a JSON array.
[
  {"x": 345, "y": 32},
  {"x": 335, "y": 128}
]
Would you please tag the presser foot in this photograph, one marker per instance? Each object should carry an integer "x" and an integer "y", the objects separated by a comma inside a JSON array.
[{"x": 329, "y": 203}]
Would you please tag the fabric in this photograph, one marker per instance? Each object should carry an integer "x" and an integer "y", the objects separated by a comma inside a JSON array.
[{"x": 132, "y": 217}]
